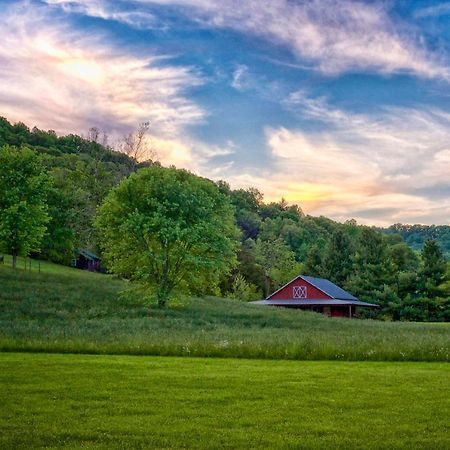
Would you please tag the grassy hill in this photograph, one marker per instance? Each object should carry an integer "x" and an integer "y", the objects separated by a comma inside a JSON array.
[{"x": 67, "y": 310}]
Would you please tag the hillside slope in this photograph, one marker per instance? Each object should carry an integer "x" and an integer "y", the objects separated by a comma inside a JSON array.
[{"x": 74, "y": 311}]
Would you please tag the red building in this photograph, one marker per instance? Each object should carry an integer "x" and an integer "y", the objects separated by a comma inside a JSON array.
[{"x": 315, "y": 294}]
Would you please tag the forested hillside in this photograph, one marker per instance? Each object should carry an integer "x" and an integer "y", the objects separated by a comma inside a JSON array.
[
  {"x": 416, "y": 235},
  {"x": 276, "y": 241},
  {"x": 83, "y": 170}
]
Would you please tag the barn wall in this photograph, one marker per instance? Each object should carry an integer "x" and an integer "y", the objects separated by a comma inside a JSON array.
[
  {"x": 287, "y": 292},
  {"x": 339, "y": 311}
]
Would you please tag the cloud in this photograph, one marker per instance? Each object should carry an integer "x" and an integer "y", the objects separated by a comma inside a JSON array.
[
  {"x": 433, "y": 11},
  {"x": 53, "y": 76},
  {"x": 240, "y": 79},
  {"x": 333, "y": 36},
  {"x": 107, "y": 11},
  {"x": 378, "y": 169}
]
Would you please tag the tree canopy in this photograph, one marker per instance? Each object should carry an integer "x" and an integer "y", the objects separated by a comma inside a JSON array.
[
  {"x": 168, "y": 228},
  {"x": 24, "y": 187}
]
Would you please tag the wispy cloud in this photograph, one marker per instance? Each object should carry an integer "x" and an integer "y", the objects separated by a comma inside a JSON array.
[
  {"x": 440, "y": 9},
  {"x": 240, "y": 79},
  {"x": 54, "y": 76},
  {"x": 333, "y": 36},
  {"x": 378, "y": 169},
  {"x": 108, "y": 11}
]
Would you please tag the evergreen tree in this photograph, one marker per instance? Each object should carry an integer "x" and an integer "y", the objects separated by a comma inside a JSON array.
[
  {"x": 434, "y": 269},
  {"x": 313, "y": 262},
  {"x": 373, "y": 275},
  {"x": 337, "y": 260}
]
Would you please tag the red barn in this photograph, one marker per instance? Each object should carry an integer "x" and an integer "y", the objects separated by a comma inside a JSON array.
[{"x": 315, "y": 294}]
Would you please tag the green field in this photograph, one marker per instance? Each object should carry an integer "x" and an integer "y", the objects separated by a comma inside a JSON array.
[
  {"x": 378, "y": 398},
  {"x": 88, "y": 401},
  {"x": 68, "y": 310}
]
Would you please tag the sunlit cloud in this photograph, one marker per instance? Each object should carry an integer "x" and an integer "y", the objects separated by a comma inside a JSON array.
[
  {"x": 53, "y": 76},
  {"x": 333, "y": 36},
  {"x": 375, "y": 169}
]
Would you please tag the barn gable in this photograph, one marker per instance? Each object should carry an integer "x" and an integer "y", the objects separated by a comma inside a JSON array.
[
  {"x": 299, "y": 288},
  {"x": 305, "y": 287}
]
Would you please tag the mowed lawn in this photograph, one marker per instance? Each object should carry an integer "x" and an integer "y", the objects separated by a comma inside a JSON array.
[{"x": 93, "y": 401}]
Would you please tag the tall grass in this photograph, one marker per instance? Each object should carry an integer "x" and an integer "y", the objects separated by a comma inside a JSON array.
[{"x": 68, "y": 310}]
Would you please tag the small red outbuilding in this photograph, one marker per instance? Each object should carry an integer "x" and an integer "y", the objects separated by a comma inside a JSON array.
[{"x": 316, "y": 294}]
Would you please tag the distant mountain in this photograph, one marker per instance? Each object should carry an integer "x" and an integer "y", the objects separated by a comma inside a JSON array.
[{"x": 416, "y": 235}]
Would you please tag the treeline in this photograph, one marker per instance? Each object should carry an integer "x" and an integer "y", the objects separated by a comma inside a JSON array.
[
  {"x": 279, "y": 241},
  {"x": 276, "y": 241},
  {"x": 82, "y": 171},
  {"x": 416, "y": 235}
]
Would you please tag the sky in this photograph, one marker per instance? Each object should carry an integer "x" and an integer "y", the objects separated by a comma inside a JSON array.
[{"x": 340, "y": 106}]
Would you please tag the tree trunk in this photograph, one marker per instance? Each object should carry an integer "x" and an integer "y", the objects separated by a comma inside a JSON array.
[
  {"x": 162, "y": 296},
  {"x": 14, "y": 260}
]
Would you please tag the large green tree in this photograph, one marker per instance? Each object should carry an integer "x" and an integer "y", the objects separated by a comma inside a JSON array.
[
  {"x": 168, "y": 228},
  {"x": 24, "y": 186}
]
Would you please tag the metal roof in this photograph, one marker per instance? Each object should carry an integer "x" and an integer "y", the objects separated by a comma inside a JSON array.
[
  {"x": 329, "y": 288},
  {"x": 88, "y": 254},
  {"x": 314, "y": 302}
]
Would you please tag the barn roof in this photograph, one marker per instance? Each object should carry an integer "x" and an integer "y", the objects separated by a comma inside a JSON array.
[
  {"x": 314, "y": 302},
  {"x": 326, "y": 286},
  {"x": 329, "y": 288},
  {"x": 88, "y": 254}
]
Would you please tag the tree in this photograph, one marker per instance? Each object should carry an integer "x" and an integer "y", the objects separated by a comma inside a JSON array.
[
  {"x": 24, "y": 186},
  {"x": 313, "y": 262},
  {"x": 373, "y": 271},
  {"x": 434, "y": 268},
  {"x": 136, "y": 145},
  {"x": 242, "y": 290},
  {"x": 277, "y": 261},
  {"x": 168, "y": 228},
  {"x": 337, "y": 260}
]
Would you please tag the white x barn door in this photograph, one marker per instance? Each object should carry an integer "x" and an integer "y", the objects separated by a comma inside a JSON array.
[{"x": 300, "y": 292}]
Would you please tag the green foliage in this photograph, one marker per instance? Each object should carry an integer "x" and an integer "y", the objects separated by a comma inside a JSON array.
[
  {"x": 24, "y": 187},
  {"x": 313, "y": 262},
  {"x": 242, "y": 290},
  {"x": 434, "y": 268},
  {"x": 336, "y": 264},
  {"x": 83, "y": 172},
  {"x": 416, "y": 235},
  {"x": 277, "y": 262},
  {"x": 372, "y": 270},
  {"x": 169, "y": 229}
]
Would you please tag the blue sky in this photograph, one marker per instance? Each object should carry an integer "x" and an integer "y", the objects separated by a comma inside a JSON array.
[{"x": 340, "y": 106}]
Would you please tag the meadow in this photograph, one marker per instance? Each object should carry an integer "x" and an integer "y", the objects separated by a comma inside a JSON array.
[
  {"x": 65, "y": 310},
  {"x": 97, "y": 401}
]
